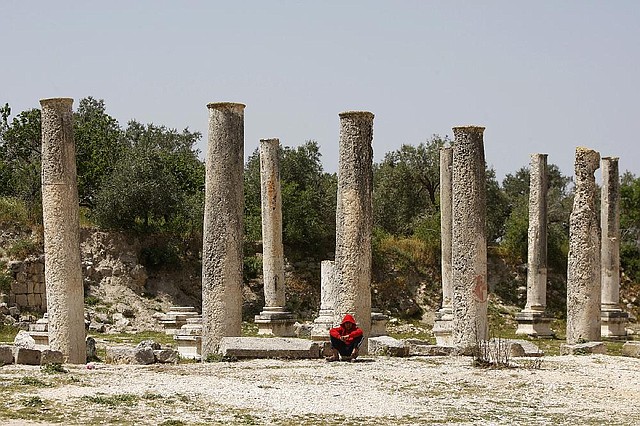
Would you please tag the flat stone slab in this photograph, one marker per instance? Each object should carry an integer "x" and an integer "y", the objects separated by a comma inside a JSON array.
[
  {"x": 518, "y": 347},
  {"x": 430, "y": 350},
  {"x": 268, "y": 347},
  {"x": 631, "y": 349},
  {"x": 584, "y": 349},
  {"x": 387, "y": 346}
]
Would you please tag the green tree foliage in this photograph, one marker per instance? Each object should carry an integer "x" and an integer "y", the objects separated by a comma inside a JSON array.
[
  {"x": 156, "y": 186},
  {"x": 308, "y": 201},
  {"x": 406, "y": 187},
  {"x": 630, "y": 225}
]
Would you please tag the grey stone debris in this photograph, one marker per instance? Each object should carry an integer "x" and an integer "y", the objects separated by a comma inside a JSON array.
[
  {"x": 48, "y": 356},
  {"x": 516, "y": 347},
  {"x": 150, "y": 344},
  {"x": 27, "y": 356},
  {"x": 6, "y": 354},
  {"x": 24, "y": 340},
  {"x": 631, "y": 348},
  {"x": 388, "y": 346},
  {"x": 587, "y": 348},
  {"x": 325, "y": 320},
  {"x": 469, "y": 244},
  {"x": 276, "y": 347},
  {"x": 92, "y": 352},
  {"x": 532, "y": 320},
  {"x": 443, "y": 325},
  {"x": 166, "y": 356},
  {"x": 274, "y": 319},
  {"x": 128, "y": 355},
  {"x": 613, "y": 318},
  {"x": 222, "y": 233},
  {"x": 354, "y": 220},
  {"x": 63, "y": 269},
  {"x": 417, "y": 348},
  {"x": 583, "y": 271}
]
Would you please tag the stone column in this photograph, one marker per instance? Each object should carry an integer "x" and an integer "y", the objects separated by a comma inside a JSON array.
[
  {"x": 354, "y": 220},
  {"x": 583, "y": 271},
  {"x": 469, "y": 243},
  {"x": 443, "y": 326},
  {"x": 613, "y": 319},
  {"x": 222, "y": 239},
  {"x": 273, "y": 320},
  {"x": 325, "y": 319},
  {"x": 60, "y": 214},
  {"x": 532, "y": 320}
]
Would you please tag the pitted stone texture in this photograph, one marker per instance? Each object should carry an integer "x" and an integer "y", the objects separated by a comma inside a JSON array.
[
  {"x": 354, "y": 220},
  {"x": 469, "y": 244},
  {"x": 537, "y": 235},
  {"x": 166, "y": 356},
  {"x": 446, "y": 181},
  {"x": 6, "y": 355},
  {"x": 275, "y": 347},
  {"x": 583, "y": 271},
  {"x": 222, "y": 233},
  {"x": 91, "y": 348},
  {"x": 388, "y": 346},
  {"x": 587, "y": 348},
  {"x": 63, "y": 270}
]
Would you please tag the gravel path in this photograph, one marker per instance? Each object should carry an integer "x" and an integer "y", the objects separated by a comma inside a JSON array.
[{"x": 567, "y": 390}]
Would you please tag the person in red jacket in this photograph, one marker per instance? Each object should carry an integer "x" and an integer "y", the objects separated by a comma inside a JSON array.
[{"x": 345, "y": 340}]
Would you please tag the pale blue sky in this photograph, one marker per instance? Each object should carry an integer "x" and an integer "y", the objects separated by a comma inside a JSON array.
[{"x": 542, "y": 76}]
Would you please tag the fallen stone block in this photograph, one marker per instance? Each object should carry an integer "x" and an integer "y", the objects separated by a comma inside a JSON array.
[
  {"x": 631, "y": 349},
  {"x": 430, "y": 350},
  {"x": 387, "y": 346},
  {"x": 47, "y": 356},
  {"x": 27, "y": 356},
  {"x": 166, "y": 356},
  {"x": 587, "y": 348},
  {"x": 269, "y": 347},
  {"x": 6, "y": 354},
  {"x": 125, "y": 355}
]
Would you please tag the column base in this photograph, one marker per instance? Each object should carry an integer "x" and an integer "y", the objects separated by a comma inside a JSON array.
[
  {"x": 534, "y": 324},
  {"x": 613, "y": 324},
  {"x": 443, "y": 327},
  {"x": 378, "y": 324},
  {"x": 275, "y": 323}
]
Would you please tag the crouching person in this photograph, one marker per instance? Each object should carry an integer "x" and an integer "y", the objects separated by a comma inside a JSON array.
[{"x": 345, "y": 340}]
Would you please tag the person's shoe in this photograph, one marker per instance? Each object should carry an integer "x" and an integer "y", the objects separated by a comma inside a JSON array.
[
  {"x": 332, "y": 358},
  {"x": 346, "y": 358}
]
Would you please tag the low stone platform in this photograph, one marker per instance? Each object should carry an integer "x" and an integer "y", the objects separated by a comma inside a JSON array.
[{"x": 268, "y": 347}]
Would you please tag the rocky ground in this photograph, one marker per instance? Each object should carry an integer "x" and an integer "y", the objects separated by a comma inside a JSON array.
[{"x": 562, "y": 390}]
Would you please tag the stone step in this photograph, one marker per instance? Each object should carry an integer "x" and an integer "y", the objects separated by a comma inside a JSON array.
[{"x": 268, "y": 347}]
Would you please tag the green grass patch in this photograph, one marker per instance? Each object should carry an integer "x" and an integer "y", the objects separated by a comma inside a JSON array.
[
  {"x": 33, "y": 381},
  {"x": 128, "y": 338},
  {"x": 53, "y": 368},
  {"x": 7, "y": 333},
  {"x": 116, "y": 400}
]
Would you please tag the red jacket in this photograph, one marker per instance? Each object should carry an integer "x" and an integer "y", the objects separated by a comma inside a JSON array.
[{"x": 340, "y": 331}]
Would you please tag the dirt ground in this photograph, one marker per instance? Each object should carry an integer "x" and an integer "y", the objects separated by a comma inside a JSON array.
[{"x": 562, "y": 390}]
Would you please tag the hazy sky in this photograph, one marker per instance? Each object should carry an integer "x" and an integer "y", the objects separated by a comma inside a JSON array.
[{"x": 543, "y": 76}]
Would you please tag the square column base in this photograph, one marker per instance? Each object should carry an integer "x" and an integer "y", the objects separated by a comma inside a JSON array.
[
  {"x": 272, "y": 323},
  {"x": 613, "y": 324},
  {"x": 534, "y": 324},
  {"x": 443, "y": 330}
]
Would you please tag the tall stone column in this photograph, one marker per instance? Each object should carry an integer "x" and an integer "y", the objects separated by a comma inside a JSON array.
[
  {"x": 354, "y": 220},
  {"x": 583, "y": 271},
  {"x": 613, "y": 319},
  {"x": 443, "y": 326},
  {"x": 532, "y": 320},
  {"x": 222, "y": 239},
  {"x": 60, "y": 213},
  {"x": 273, "y": 319},
  {"x": 469, "y": 243},
  {"x": 325, "y": 320}
]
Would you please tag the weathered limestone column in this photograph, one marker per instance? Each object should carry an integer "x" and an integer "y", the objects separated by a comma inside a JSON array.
[
  {"x": 222, "y": 239},
  {"x": 325, "y": 319},
  {"x": 273, "y": 319},
  {"x": 443, "y": 326},
  {"x": 469, "y": 244},
  {"x": 613, "y": 319},
  {"x": 583, "y": 271},
  {"x": 60, "y": 212},
  {"x": 532, "y": 320},
  {"x": 354, "y": 220}
]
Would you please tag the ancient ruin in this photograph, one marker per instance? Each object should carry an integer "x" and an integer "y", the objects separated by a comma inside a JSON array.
[
  {"x": 443, "y": 326},
  {"x": 354, "y": 220},
  {"x": 468, "y": 242},
  {"x": 583, "y": 271},
  {"x": 223, "y": 230},
  {"x": 63, "y": 271},
  {"x": 273, "y": 319},
  {"x": 325, "y": 319},
  {"x": 532, "y": 320},
  {"x": 613, "y": 318}
]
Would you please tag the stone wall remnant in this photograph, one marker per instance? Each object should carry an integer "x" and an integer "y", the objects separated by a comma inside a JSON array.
[
  {"x": 583, "y": 270},
  {"x": 354, "y": 220},
  {"x": 223, "y": 230},
  {"x": 468, "y": 242},
  {"x": 60, "y": 211}
]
